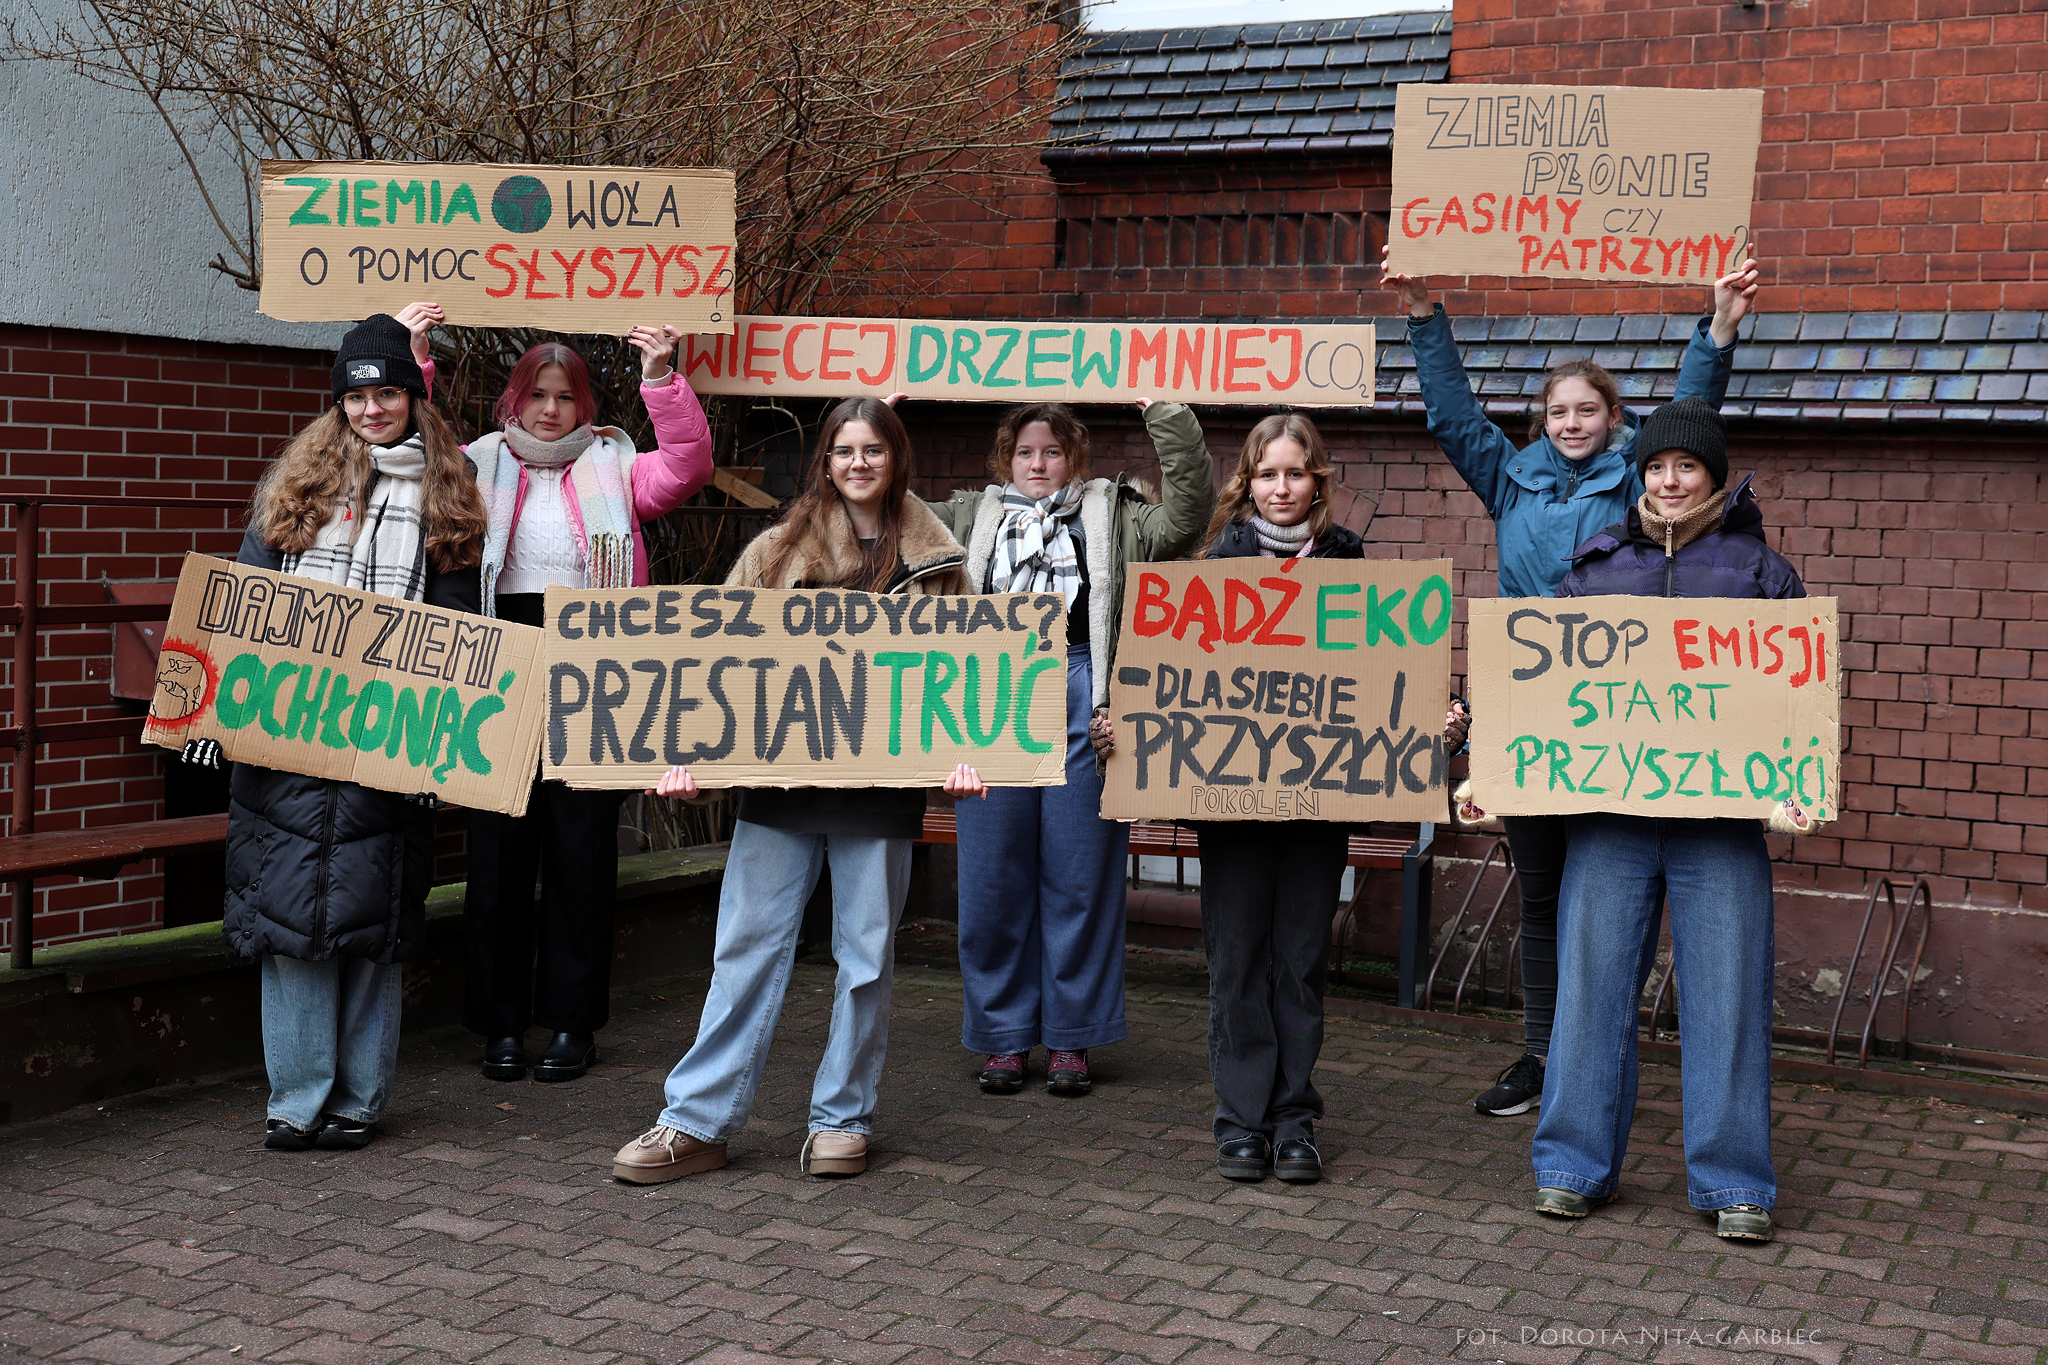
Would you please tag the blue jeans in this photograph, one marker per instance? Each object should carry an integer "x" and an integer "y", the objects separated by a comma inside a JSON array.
[
  {"x": 1042, "y": 904},
  {"x": 769, "y": 874},
  {"x": 1718, "y": 876},
  {"x": 330, "y": 1037}
]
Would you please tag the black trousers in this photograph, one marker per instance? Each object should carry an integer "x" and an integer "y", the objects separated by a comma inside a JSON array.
[
  {"x": 1539, "y": 843},
  {"x": 1269, "y": 891},
  {"x": 570, "y": 839}
]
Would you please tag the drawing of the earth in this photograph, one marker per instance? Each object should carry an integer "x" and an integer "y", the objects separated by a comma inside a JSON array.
[
  {"x": 522, "y": 204},
  {"x": 181, "y": 685}
]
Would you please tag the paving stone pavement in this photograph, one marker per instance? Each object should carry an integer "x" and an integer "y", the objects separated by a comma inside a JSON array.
[{"x": 1026, "y": 1229}]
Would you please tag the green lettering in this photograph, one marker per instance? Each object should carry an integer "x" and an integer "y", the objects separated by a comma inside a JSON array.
[
  {"x": 896, "y": 661},
  {"x": 941, "y": 670},
  {"x": 471, "y": 742},
  {"x": 304, "y": 712},
  {"x": 396, "y": 198},
  {"x": 1021, "y": 722},
  {"x": 245, "y": 670},
  {"x": 338, "y": 700},
  {"x": 1379, "y": 616},
  {"x": 914, "y": 369},
  {"x": 1033, "y": 358},
  {"x": 377, "y": 698},
  {"x": 1592, "y": 712},
  {"x": 265, "y": 704},
  {"x": 1108, "y": 366},
  {"x": 366, "y": 203},
  {"x": 463, "y": 200},
  {"x": 1010, "y": 336},
  {"x": 1425, "y": 631},
  {"x": 966, "y": 345},
  {"x": 412, "y": 725},
  {"x": 447, "y": 721},
  {"x": 1326, "y": 613},
  {"x": 303, "y": 214},
  {"x": 970, "y": 708}
]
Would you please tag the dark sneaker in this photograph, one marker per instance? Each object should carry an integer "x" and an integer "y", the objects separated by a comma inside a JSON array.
[
  {"x": 338, "y": 1134},
  {"x": 1563, "y": 1203},
  {"x": 1066, "y": 1073},
  {"x": 280, "y": 1136},
  {"x": 1743, "y": 1223},
  {"x": 1004, "y": 1074},
  {"x": 1244, "y": 1158},
  {"x": 1298, "y": 1160},
  {"x": 1517, "y": 1091}
]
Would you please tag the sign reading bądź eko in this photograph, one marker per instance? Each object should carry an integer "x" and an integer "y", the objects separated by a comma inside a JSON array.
[
  {"x": 753, "y": 687},
  {"x": 307, "y": 677},
  {"x": 1614, "y": 183},
  {"x": 566, "y": 248},
  {"x": 1305, "y": 366},
  {"x": 1692, "y": 707},
  {"x": 1281, "y": 689}
]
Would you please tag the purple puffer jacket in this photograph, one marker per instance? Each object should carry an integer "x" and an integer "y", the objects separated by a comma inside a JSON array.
[{"x": 1733, "y": 561}]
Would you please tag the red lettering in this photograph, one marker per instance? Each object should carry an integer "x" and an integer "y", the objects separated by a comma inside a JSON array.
[
  {"x": 1236, "y": 590},
  {"x": 1408, "y": 231},
  {"x": 1532, "y": 247},
  {"x": 724, "y": 255},
  {"x": 1452, "y": 209},
  {"x": 1188, "y": 359},
  {"x": 789, "y": 352},
  {"x": 691, "y": 266},
  {"x": 1805, "y": 673},
  {"x": 1556, "y": 253},
  {"x": 1232, "y": 363},
  {"x": 1610, "y": 250},
  {"x": 1153, "y": 612},
  {"x": 1540, "y": 206},
  {"x": 534, "y": 276},
  {"x": 1288, "y": 591},
  {"x": 1584, "y": 244},
  {"x": 1730, "y": 638},
  {"x": 888, "y": 366},
  {"x": 695, "y": 360},
  {"x": 1570, "y": 209},
  {"x": 569, "y": 286},
  {"x": 1684, "y": 634},
  {"x": 660, "y": 266},
  {"x": 825, "y": 358},
  {"x": 1641, "y": 264},
  {"x": 1199, "y": 605},
  {"x": 1669, "y": 249},
  {"x": 1293, "y": 334},
  {"x": 1777, "y": 654},
  {"x": 598, "y": 259},
  {"x": 511, "y": 275},
  {"x": 626, "y": 290},
  {"x": 1479, "y": 206},
  {"x": 1142, "y": 351},
  {"x": 757, "y": 352}
]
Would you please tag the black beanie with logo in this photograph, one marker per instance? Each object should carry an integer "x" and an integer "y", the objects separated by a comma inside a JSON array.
[
  {"x": 1692, "y": 425},
  {"x": 377, "y": 350}
]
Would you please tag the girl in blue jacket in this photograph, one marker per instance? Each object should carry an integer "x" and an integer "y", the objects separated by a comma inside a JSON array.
[{"x": 1576, "y": 475}]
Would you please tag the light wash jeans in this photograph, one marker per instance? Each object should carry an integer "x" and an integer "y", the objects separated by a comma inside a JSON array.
[
  {"x": 1718, "y": 876},
  {"x": 769, "y": 874},
  {"x": 330, "y": 1037}
]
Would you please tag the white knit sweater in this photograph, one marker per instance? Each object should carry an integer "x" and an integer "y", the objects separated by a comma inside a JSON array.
[{"x": 543, "y": 548}]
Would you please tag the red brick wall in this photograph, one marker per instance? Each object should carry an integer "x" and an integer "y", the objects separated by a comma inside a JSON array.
[
  {"x": 98, "y": 413},
  {"x": 1902, "y": 161}
]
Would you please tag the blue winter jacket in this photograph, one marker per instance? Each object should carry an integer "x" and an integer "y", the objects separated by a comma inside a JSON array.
[
  {"x": 1730, "y": 561},
  {"x": 1542, "y": 504}
]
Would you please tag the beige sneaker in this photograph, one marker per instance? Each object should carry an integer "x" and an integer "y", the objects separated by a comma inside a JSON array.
[
  {"x": 661, "y": 1153},
  {"x": 831, "y": 1152}
]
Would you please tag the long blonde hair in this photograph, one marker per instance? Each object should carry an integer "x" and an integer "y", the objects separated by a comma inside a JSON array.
[
  {"x": 1234, "y": 504},
  {"x": 328, "y": 461}
]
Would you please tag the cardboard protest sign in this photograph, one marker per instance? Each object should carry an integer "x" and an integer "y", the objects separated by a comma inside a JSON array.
[
  {"x": 566, "y": 248},
  {"x": 1587, "y": 182},
  {"x": 307, "y": 677},
  {"x": 983, "y": 362},
  {"x": 1682, "y": 707},
  {"x": 757, "y": 687},
  {"x": 1289, "y": 689}
]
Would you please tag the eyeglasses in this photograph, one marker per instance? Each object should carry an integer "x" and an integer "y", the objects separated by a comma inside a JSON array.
[
  {"x": 355, "y": 399},
  {"x": 873, "y": 456}
]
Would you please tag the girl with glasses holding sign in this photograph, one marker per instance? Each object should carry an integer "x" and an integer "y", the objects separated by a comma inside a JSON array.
[
  {"x": 1576, "y": 474},
  {"x": 568, "y": 500},
  {"x": 1041, "y": 872},
  {"x": 327, "y": 880},
  {"x": 856, "y": 526}
]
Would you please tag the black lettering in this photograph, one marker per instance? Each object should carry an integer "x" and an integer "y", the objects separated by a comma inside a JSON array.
[
  {"x": 604, "y": 730},
  {"x": 603, "y": 619},
  {"x": 743, "y": 624},
  {"x": 1543, "y": 658},
  {"x": 627, "y": 625},
  {"x": 893, "y": 606},
  {"x": 655, "y": 668},
  {"x": 665, "y": 611},
  {"x": 392, "y": 614},
  {"x": 1340, "y": 696},
  {"x": 1187, "y": 734},
  {"x": 561, "y": 707},
  {"x": 985, "y": 613},
  {"x": 799, "y": 703},
  {"x": 1240, "y": 678},
  {"x": 1145, "y": 745},
  {"x": 722, "y": 748},
  {"x": 1298, "y": 745},
  {"x": 834, "y": 708},
  {"x": 761, "y": 668},
  {"x": 672, "y": 751},
  {"x": 950, "y": 613},
  {"x": 1216, "y": 773},
  {"x": 703, "y": 606}
]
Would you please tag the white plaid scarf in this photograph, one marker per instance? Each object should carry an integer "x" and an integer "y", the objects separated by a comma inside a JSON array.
[
  {"x": 1037, "y": 548},
  {"x": 381, "y": 552}
]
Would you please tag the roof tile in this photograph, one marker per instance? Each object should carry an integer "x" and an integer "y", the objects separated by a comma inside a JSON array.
[
  {"x": 2015, "y": 326},
  {"x": 1872, "y": 326},
  {"x": 1920, "y": 326}
]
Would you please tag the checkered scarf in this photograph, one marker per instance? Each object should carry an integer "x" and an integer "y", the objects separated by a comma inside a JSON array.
[
  {"x": 1037, "y": 548},
  {"x": 383, "y": 552}
]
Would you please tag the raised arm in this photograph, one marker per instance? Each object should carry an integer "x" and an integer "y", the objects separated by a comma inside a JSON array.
[
  {"x": 1477, "y": 449},
  {"x": 1710, "y": 355},
  {"x": 1187, "y": 483}
]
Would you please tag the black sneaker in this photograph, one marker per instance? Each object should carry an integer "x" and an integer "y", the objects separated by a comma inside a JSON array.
[
  {"x": 1517, "y": 1091},
  {"x": 338, "y": 1134},
  {"x": 280, "y": 1136}
]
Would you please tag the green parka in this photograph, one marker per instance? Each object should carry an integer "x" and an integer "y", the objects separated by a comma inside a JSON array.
[{"x": 1118, "y": 525}]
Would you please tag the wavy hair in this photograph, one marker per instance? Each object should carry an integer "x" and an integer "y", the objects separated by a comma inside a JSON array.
[
  {"x": 328, "y": 462},
  {"x": 1234, "y": 503},
  {"x": 1066, "y": 429},
  {"x": 803, "y": 526},
  {"x": 1593, "y": 373}
]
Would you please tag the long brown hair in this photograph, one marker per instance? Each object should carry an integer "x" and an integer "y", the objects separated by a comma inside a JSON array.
[
  {"x": 1235, "y": 502},
  {"x": 1066, "y": 429},
  {"x": 1593, "y": 373},
  {"x": 803, "y": 527},
  {"x": 328, "y": 461}
]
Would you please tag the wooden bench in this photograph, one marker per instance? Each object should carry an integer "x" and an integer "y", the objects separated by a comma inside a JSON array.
[
  {"x": 1414, "y": 858},
  {"x": 95, "y": 854}
]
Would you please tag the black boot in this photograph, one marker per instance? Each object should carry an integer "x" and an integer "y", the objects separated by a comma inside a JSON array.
[
  {"x": 1244, "y": 1158},
  {"x": 505, "y": 1059},
  {"x": 569, "y": 1055}
]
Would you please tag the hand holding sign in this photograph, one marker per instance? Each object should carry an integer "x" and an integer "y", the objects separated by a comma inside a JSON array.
[
  {"x": 420, "y": 319},
  {"x": 1733, "y": 294}
]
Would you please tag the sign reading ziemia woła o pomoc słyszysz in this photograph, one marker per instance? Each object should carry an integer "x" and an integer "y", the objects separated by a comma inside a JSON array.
[
  {"x": 1692, "y": 707},
  {"x": 564, "y": 248},
  {"x": 1281, "y": 689},
  {"x": 307, "y": 677},
  {"x": 1614, "y": 183},
  {"x": 1095, "y": 362},
  {"x": 756, "y": 687}
]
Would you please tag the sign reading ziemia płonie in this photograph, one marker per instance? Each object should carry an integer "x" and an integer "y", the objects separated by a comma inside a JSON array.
[
  {"x": 1093, "y": 362},
  {"x": 1588, "y": 182},
  {"x": 753, "y": 687},
  {"x": 307, "y": 677},
  {"x": 565, "y": 248},
  {"x": 1690, "y": 707},
  {"x": 1281, "y": 689}
]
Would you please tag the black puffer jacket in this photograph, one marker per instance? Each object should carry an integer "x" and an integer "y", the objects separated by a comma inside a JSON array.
[
  {"x": 318, "y": 868},
  {"x": 1240, "y": 541}
]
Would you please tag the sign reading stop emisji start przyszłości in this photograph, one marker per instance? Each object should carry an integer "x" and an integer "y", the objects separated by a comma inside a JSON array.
[
  {"x": 306, "y": 677},
  {"x": 1690, "y": 707},
  {"x": 564, "y": 248},
  {"x": 1281, "y": 689},
  {"x": 1613, "y": 183},
  {"x": 1017, "y": 362},
  {"x": 757, "y": 687}
]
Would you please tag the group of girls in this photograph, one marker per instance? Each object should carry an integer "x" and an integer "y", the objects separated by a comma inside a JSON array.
[
  {"x": 1597, "y": 504},
  {"x": 328, "y": 879}
]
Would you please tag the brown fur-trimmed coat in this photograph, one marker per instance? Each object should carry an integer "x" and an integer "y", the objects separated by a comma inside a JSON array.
[{"x": 829, "y": 554}]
